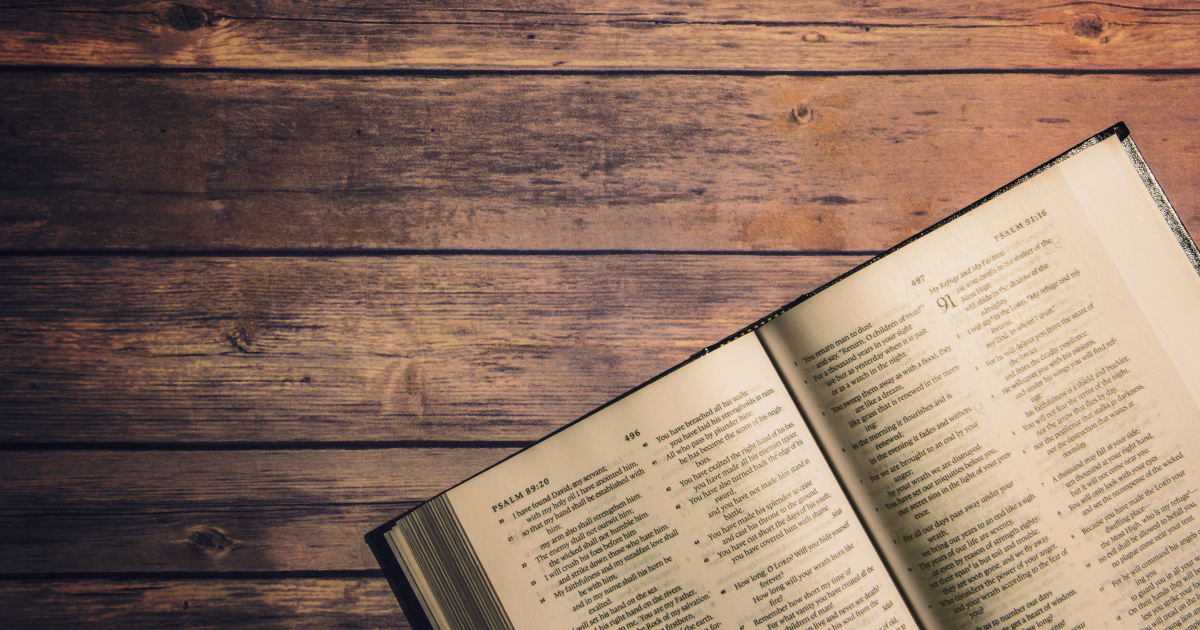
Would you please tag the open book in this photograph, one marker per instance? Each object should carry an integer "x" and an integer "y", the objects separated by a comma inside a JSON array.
[{"x": 990, "y": 426}]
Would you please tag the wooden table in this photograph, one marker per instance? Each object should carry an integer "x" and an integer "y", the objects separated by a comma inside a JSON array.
[{"x": 275, "y": 272}]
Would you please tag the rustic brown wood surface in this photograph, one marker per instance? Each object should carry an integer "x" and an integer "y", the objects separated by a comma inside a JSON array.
[
  {"x": 272, "y": 273},
  {"x": 301, "y": 349},
  {"x": 247, "y": 510},
  {"x": 826, "y": 35},
  {"x": 216, "y": 602},
  {"x": 219, "y": 161}
]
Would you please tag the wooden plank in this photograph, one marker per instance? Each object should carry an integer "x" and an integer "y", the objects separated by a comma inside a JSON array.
[
  {"x": 174, "y": 603},
  {"x": 205, "y": 511},
  {"x": 546, "y": 162},
  {"x": 822, "y": 36},
  {"x": 358, "y": 349}
]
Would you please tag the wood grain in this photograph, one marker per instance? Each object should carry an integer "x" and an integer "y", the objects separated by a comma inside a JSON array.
[
  {"x": 852, "y": 163},
  {"x": 206, "y": 511},
  {"x": 184, "y": 350},
  {"x": 465, "y": 166},
  {"x": 174, "y": 603},
  {"x": 822, "y": 36}
]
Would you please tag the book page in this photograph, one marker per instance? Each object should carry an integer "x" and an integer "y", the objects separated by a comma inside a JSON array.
[
  {"x": 699, "y": 501},
  {"x": 1019, "y": 419}
]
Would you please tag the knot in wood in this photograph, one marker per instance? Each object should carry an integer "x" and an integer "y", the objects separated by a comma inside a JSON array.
[
  {"x": 1088, "y": 25},
  {"x": 184, "y": 17},
  {"x": 802, "y": 114},
  {"x": 212, "y": 541},
  {"x": 243, "y": 335}
]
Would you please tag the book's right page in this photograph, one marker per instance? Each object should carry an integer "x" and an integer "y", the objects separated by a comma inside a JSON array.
[{"x": 1011, "y": 402}]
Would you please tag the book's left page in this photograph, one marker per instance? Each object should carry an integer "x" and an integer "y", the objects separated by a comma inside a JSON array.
[{"x": 691, "y": 503}]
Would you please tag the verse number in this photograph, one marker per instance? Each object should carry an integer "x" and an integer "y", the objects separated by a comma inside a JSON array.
[
  {"x": 946, "y": 302},
  {"x": 537, "y": 485},
  {"x": 918, "y": 280},
  {"x": 636, "y": 433}
]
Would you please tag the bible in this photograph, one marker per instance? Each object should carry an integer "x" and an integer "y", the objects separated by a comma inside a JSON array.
[{"x": 986, "y": 427}]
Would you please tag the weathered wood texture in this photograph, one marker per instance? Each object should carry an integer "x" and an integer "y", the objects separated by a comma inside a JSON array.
[
  {"x": 202, "y": 162},
  {"x": 824, "y": 36},
  {"x": 205, "y": 511},
  {"x": 316, "y": 349},
  {"x": 173, "y": 603},
  {"x": 276, "y": 386}
]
